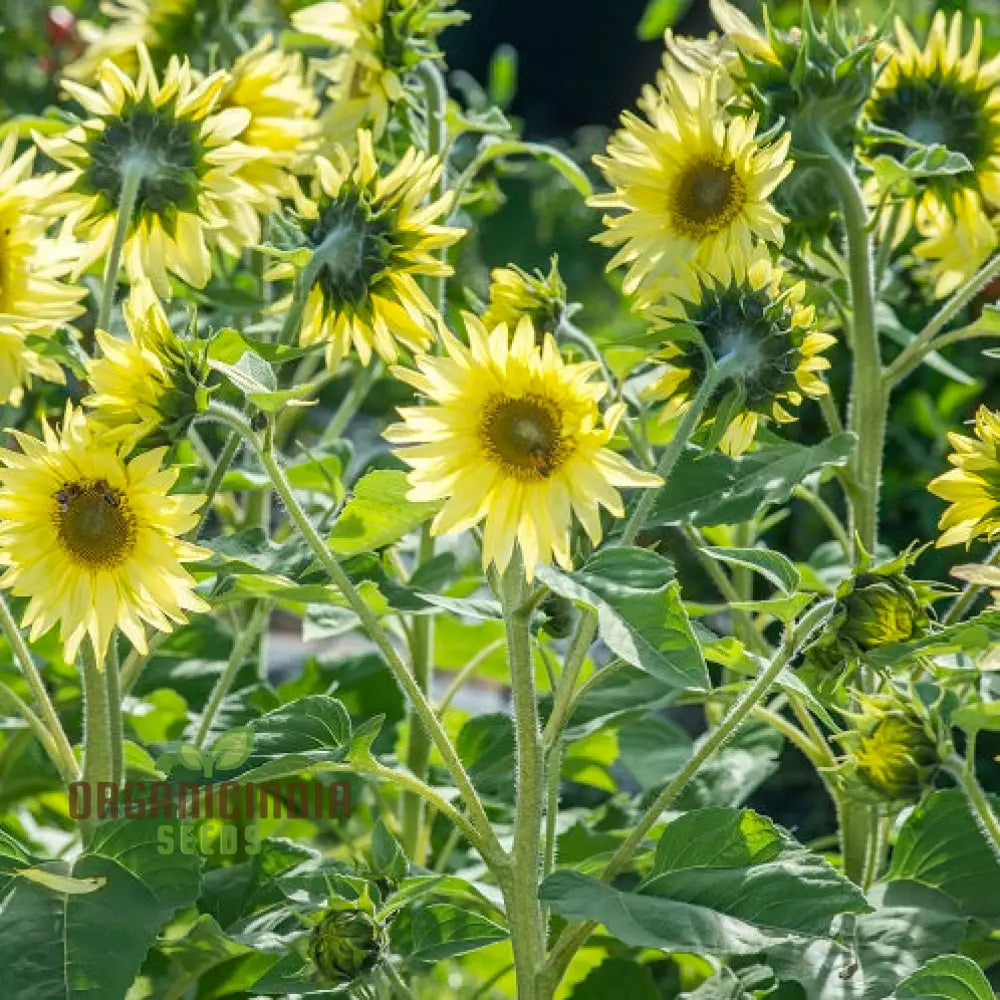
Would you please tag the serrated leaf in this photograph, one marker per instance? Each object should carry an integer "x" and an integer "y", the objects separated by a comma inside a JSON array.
[
  {"x": 948, "y": 977},
  {"x": 639, "y": 612},
  {"x": 388, "y": 859},
  {"x": 442, "y": 931},
  {"x": 378, "y": 514}
]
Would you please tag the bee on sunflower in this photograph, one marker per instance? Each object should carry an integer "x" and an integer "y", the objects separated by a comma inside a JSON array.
[
  {"x": 693, "y": 188},
  {"x": 152, "y": 383},
  {"x": 939, "y": 95},
  {"x": 92, "y": 541},
  {"x": 750, "y": 318},
  {"x": 34, "y": 298},
  {"x": 511, "y": 435},
  {"x": 972, "y": 487},
  {"x": 165, "y": 155},
  {"x": 371, "y": 234}
]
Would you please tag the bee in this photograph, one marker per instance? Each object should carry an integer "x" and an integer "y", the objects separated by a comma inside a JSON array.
[
  {"x": 540, "y": 461},
  {"x": 107, "y": 494},
  {"x": 66, "y": 495}
]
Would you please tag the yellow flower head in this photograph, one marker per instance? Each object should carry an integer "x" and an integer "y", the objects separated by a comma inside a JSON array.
[
  {"x": 272, "y": 86},
  {"x": 515, "y": 293},
  {"x": 511, "y": 435},
  {"x": 940, "y": 95},
  {"x": 973, "y": 486},
  {"x": 34, "y": 301},
  {"x": 372, "y": 235},
  {"x": 180, "y": 142},
  {"x": 150, "y": 381},
  {"x": 746, "y": 315},
  {"x": 375, "y": 42},
  {"x": 92, "y": 541},
  {"x": 693, "y": 186}
]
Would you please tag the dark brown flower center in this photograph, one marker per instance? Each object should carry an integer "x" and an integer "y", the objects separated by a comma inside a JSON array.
[
  {"x": 94, "y": 523},
  {"x": 707, "y": 197},
  {"x": 524, "y": 436}
]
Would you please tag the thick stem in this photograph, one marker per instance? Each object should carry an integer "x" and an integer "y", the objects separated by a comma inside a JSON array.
[
  {"x": 869, "y": 400},
  {"x": 521, "y": 895},
  {"x": 418, "y": 751},
  {"x": 963, "y": 772},
  {"x": 132, "y": 173},
  {"x": 116, "y": 732},
  {"x": 486, "y": 842},
  {"x": 356, "y": 394},
  {"x": 65, "y": 761},
  {"x": 97, "y": 766},
  {"x": 241, "y": 647}
]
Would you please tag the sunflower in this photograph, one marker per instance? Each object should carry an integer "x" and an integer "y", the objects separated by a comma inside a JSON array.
[
  {"x": 162, "y": 26},
  {"x": 693, "y": 187},
  {"x": 973, "y": 486},
  {"x": 375, "y": 43},
  {"x": 180, "y": 142},
  {"x": 272, "y": 86},
  {"x": 939, "y": 95},
  {"x": 515, "y": 293},
  {"x": 34, "y": 301},
  {"x": 511, "y": 434},
  {"x": 93, "y": 541},
  {"x": 745, "y": 315},
  {"x": 151, "y": 381},
  {"x": 371, "y": 234}
]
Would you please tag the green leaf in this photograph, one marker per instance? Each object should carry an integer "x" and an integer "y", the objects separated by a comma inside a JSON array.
[
  {"x": 948, "y": 977},
  {"x": 90, "y": 946},
  {"x": 927, "y": 161},
  {"x": 318, "y": 473},
  {"x": 941, "y": 845},
  {"x": 977, "y": 716},
  {"x": 639, "y": 612},
  {"x": 250, "y": 373},
  {"x": 773, "y": 566},
  {"x": 660, "y": 15},
  {"x": 712, "y": 488},
  {"x": 388, "y": 859},
  {"x": 494, "y": 148},
  {"x": 232, "y": 749},
  {"x": 378, "y": 514},
  {"x": 442, "y": 931},
  {"x": 293, "y": 738},
  {"x": 724, "y": 882},
  {"x": 977, "y": 635},
  {"x": 617, "y": 977},
  {"x": 485, "y": 745},
  {"x": 909, "y": 924}
]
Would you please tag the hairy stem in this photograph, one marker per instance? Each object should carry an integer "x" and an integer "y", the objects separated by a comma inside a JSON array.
[
  {"x": 521, "y": 894},
  {"x": 96, "y": 732},
  {"x": 116, "y": 733},
  {"x": 963, "y": 771}
]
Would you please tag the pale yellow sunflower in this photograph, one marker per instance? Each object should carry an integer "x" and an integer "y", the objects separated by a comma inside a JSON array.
[
  {"x": 94, "y": 542},
  {"x": 515, "y": 293},
  {"x": 34, "y": 299},
  {"x": 180, "y": 142},
  {"x": 162, "y": 26},
  {"x": 374, "y": 234},
  {"x": 757, "y": 320},
  {"x": 510, "y": 434},
  {"x": 149, "y": 381},
  {"x": 973, "y": 486},
  {"x": 941, "y": 95},
  {"x": 272, "y": 86},
  {"x": 693, "y": 188}
]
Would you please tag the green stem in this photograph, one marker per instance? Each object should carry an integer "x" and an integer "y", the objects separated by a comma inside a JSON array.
[
  {"x": 827, "y": 514},
  {"x": 241, "y": 647},
  {"x": 10, "y": 698},
  {"x": 399, "y": 987},
  {"x": 22, "y": 654},
  {"x": 926, "y": 340},
  {"x": 856, "y": 823},
  {"x": 132, "y": 174},
  {"x": 553, "y": 769},
  {"x": 486, "y": 841},
  {"x": 963, "y": 771},
  {"x": 214, "y": 483},
  {"x": 418, "y": 750},
  {"x": 360, "y": 386},
  {"x": 466, "y": 672},
  {"x": 116, "y": 732},
  {"x": 574, "y": 935},
  {"x": 524, "y": 913},
  {"x": 869, "y": 400},
  {"x": 96, "y": 732}
]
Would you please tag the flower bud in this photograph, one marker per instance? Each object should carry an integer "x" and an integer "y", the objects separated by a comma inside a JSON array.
[
  {"x": 558, "y": 616},
  {"x": 882, "y": 610},
  {"x": 900, "y": 757},
  {"x": 347, "y": 943}
]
